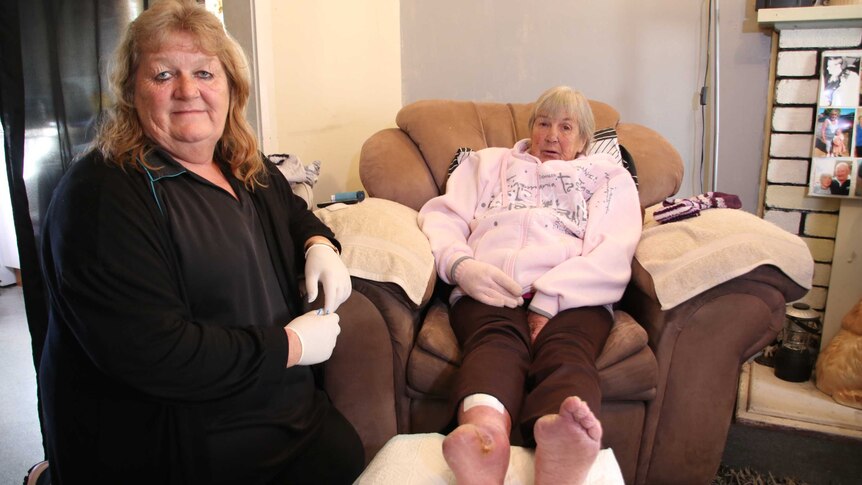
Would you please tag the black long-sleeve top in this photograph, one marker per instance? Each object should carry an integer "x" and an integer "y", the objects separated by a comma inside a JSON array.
[{"x": 168, "y": 299}]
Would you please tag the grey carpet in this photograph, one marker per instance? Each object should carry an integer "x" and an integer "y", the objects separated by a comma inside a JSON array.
[
  {"x": 746, "y": 476},
  {"x": 20, "y": 438}
]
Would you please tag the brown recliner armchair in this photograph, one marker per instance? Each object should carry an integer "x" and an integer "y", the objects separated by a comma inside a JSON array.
[{"x": 669, "y": 378}]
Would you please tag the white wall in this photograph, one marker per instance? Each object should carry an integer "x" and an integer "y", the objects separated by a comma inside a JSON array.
[
  {"x": 646, "y": 58},
  {"x": 745, "y": 55},
  {"x": 330, "y": 76}
]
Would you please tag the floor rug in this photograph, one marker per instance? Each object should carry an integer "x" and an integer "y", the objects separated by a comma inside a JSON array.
[{"x": 747, "y": 476}]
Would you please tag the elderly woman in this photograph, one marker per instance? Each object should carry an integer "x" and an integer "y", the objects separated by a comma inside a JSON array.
[
  {"x": 178, "y": 350},
  {"x": 538, "y": 240}
]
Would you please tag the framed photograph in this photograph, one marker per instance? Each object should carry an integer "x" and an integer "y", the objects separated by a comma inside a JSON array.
[
  {"x": 832, "y": 177},
  {"x": 839, "y": 78},
  {"x": 836, "y": 154},
  {"x": 833, "y": 132}
]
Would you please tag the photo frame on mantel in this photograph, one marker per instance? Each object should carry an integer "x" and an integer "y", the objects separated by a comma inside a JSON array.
[{"x": 836, "y": 154}]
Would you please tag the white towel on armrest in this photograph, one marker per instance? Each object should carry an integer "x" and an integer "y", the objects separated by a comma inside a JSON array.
[
  {"x": 688, "y": 257},
  {"x": 381, "y": 241}
]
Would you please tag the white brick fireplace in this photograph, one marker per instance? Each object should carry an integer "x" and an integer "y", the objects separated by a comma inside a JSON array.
[
  {"x": 831, "y": 227},
  {"x": 801, "y": 34}
]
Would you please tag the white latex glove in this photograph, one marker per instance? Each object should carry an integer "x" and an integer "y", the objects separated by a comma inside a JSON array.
[
  {"x": 317, "y": 332},
  {"x": 324, "y": 265},
  {"x": 488, "y": 284}
]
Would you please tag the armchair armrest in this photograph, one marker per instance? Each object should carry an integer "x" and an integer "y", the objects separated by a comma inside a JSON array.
[
  {"x": 392, "y": 151},
  {"x": 710, "y": 291},
  {"x": 367, "y": 371},
  {"x": 381, "y": 241},
  {"x": 685, "y": 258},
  {"x": 700, "y": 346},
  {"x": 393, "y": 275}
]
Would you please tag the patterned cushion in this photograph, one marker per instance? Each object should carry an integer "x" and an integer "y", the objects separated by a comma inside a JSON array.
[{"x": 606, "y": 141}]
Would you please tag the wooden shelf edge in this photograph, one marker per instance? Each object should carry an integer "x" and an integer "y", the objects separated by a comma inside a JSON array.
[{"x": 835, "y": 16}]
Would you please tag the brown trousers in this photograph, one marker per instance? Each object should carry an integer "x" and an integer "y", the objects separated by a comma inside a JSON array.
[{"x": 530, "y": 380}]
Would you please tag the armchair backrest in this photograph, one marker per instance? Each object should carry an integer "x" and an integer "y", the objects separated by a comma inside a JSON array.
[{"x": 408, "y": 164}]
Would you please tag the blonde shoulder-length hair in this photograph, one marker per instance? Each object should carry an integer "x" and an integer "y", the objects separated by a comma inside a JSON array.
[
  {"x": 120, "y": 137},
  {"x": 563, "y": 100}
]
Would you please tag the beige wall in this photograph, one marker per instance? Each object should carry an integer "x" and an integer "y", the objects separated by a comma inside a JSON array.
[{"x": 330, "y": 77}]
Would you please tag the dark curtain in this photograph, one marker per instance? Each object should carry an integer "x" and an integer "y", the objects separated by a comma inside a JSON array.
[{"x": 52, "y": 89}]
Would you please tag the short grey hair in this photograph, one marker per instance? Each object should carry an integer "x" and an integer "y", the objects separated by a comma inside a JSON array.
[{"x": 570, "y": 102}]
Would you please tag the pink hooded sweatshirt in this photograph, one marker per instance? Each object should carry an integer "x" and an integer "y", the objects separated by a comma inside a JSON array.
[{"x": 566, "y": 231}]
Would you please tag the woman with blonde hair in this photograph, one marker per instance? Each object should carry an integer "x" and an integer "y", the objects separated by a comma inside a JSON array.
[{"x": 179, "y": 344}]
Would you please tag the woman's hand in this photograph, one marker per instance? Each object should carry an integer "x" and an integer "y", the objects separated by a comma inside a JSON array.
[
  {"x": 537, "y": 323},
  {"x": 324, "y": 265},
  {"x": 311, "y": 337},
  {"x": 488, "y": 284}
]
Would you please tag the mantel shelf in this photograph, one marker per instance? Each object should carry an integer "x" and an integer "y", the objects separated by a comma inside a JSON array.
[{"x": 835, "y": 16}]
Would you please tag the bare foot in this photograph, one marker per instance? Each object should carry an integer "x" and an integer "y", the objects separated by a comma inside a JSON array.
[
  {"x": 478, "y": 454},
  {"x": 567, "y": 444}
]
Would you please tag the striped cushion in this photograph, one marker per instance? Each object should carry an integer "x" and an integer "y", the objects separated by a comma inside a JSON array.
[{"x": 606, "y": 141}]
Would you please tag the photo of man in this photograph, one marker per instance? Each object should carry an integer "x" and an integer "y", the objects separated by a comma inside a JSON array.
[
  {"x": 841, "y": 180},
  {"x": 840, "y": 79}
]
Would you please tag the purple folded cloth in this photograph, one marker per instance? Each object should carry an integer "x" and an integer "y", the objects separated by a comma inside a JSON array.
[{"x": 678, "y": 209}]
